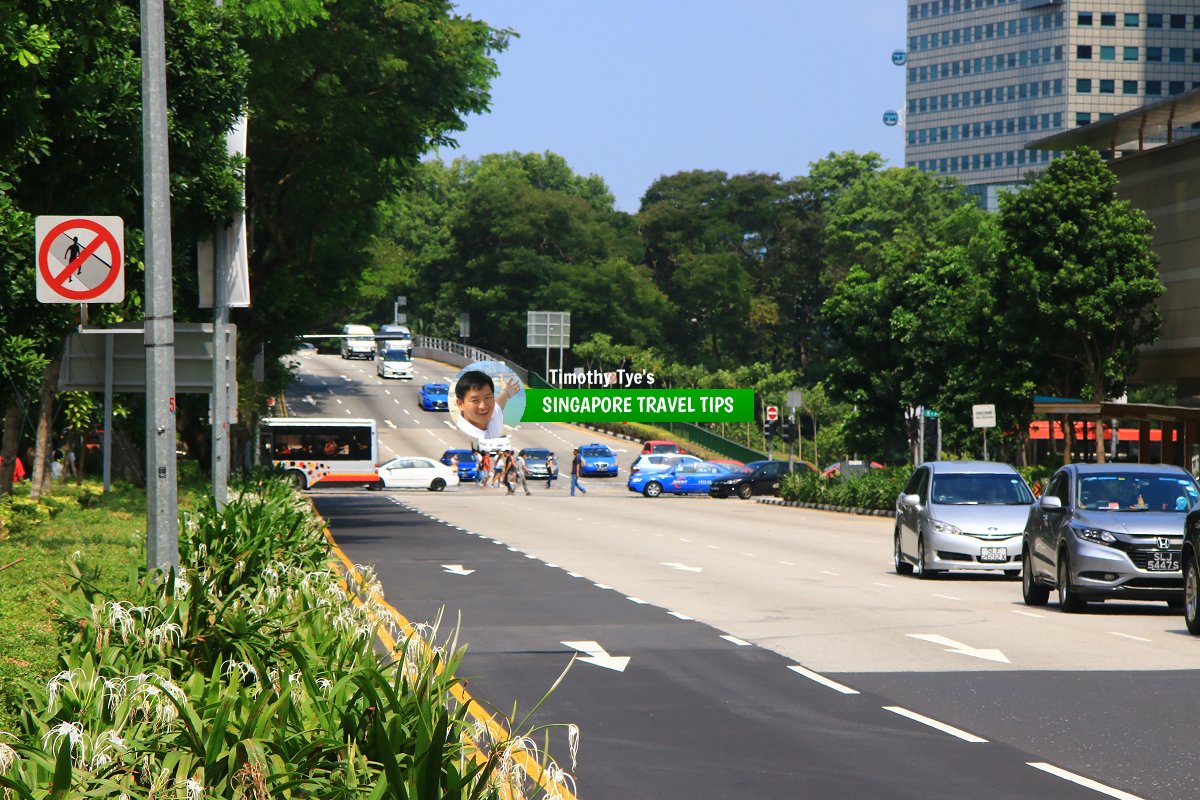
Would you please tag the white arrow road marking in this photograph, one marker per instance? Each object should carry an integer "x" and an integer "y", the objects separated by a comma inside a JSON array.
[
  {"x": 1059, "y": 772},
  {"x": 390, "y": 424},
  {"x": 308, "y": 398},
  {"x": 681, "y": 567},
  {"x": 456, "y": 569},
  {"x": 933, "y": 723},
  {"x": 958, "y": 647},
  {"x": 595, "y": 654}
]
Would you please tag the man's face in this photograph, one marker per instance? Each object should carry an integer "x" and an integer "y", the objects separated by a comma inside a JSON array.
[{"x": 476, "y": 406}]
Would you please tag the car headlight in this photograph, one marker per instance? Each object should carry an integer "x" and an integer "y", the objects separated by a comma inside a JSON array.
[
  {"x": 1095, "y": 535},
  {"x": 944, "y": 527}
]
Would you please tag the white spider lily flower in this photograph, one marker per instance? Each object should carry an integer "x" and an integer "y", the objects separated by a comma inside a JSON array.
[
  {"x": 54, "y": 687},
  {"x": 165, "y": 635},
  {"x": 270, "y": 576},
  {"x": 8, "y": 757},
  {"x": 195, "y": 790},
  {"x": 182, "y": 585},
  {"x": 323, "y": 684},
  {"x": 72, "y": 731},
  {"x": 573, "y": 743},
  {"x": 75, "y": 556},
  {"x": 115, "y": 689}
]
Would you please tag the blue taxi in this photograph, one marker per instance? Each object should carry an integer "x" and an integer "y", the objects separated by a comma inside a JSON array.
[
  {"x": 597, "y": 459},
  {"x": 683, "y": 478}
]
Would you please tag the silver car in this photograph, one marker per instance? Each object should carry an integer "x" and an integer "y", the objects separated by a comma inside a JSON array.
[
  {"x": 965, "y": 515},
  {"x": 1108, "y": 531}
]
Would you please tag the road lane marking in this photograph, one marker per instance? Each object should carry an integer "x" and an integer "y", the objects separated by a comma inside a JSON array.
[
  {"x": 933, "y": 723},
  {"x": 748, "y": 555},
  {"x": 1029, "y": 614},
  {"x": 713, "y": 547},
  {"x": 884, "y": 585},
  {"x": 960, "y": 648},
  {"x": 787, "y": 563},
  {"x": 684, "y": 540},
  {"x": 574, "y": 574},
  {"x": 735, "y": 640},
  {"x": 821, "y": 679},
  {"x": 948, "y": 597},
  {"x": 387, "y": 391},
  {"x": 681, "y": 567},
  {"x": 595, "y": 654},
  {"x": 390, "y": 424},
  {"x": 1088, "y": 783},
  {"x": 601, "y": 585},
  {"x": 639, "y": 601},
  {"x": 827, "y": 572},
  {"x": 1129, "y": 636},
  {"x": 339, "y": 401},
  {"x": 680, "y": 615}
]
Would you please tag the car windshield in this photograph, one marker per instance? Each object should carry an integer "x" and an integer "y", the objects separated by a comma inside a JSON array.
[
  {"x": 396, "y": 355},
  {"x": 543, "y": 454},
  {"x": 1128, "y": 491},
  {"x": 595, "y": 452},
  {"x": 664, "y": 448},
  {"x": 436, "y": 388},
  {"x": 980, "y": 489}
]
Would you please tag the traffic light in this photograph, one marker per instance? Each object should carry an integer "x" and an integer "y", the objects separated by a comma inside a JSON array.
[
  {"x": 771, "y": 428},
  {"x": 787, "y": 431}
]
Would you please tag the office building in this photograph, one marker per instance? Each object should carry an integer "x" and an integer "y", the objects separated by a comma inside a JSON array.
[{"x": 986, "y": 77}]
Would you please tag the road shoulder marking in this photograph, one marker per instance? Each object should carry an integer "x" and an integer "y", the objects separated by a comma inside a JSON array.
[
  {"x": 933, "y": 723},
  {"x": 1088, "y": 783},
  {"x": 821, "y": 679}
]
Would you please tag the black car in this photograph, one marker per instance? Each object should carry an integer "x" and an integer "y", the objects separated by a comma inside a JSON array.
[
  {"x": 760, "y": 478},
  {"x": 537, "y": 463}
]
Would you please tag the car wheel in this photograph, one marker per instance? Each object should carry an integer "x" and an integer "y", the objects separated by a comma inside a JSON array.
[
  {"x": 745, "y": 491},
  {"x": 653, "y": 489},
  {"x": 921, "y": 570},
  {"x": 437, "y": 485},
  {"x": 902, "y": 566},
  {"x": 297, "y": 478},
  {"x": 1068, "y": 598},
  {"x": 1034, "y": 593},
  {"x": 1191, "y": 595}
]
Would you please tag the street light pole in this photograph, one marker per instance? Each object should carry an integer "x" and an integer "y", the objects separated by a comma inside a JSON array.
[{"x": 162, "y": 531}]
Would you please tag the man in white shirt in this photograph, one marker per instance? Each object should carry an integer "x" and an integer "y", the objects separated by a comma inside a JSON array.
[{"x": 481, "y": 411}]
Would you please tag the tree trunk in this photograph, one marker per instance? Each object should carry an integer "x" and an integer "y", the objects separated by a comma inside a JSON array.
[
  {"x": 12, "y": 444},
  {"x": 1068, "y": 433},
  {"x": 38, "y": 472}
]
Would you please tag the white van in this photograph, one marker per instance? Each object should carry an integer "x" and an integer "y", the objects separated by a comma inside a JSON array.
[{"x": 358, "y": 341}]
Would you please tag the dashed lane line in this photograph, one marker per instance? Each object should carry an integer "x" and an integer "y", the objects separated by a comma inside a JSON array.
[
  {"x": 1088, "y": 783},
  {"x": 821, "y": 679},
  {"x": 933, "y": 723},
  {"x": 1130, "y": 636}
]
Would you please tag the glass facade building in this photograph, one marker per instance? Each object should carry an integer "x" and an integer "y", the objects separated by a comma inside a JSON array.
[{"x": 986, "y": 77}]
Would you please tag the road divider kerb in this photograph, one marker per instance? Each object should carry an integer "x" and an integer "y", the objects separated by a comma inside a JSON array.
[
  {"x": 474, "y": 708},
  {"x": 862, "y": 512}
]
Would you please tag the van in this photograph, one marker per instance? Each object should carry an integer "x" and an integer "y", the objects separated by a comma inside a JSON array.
[
  {"x": 358, "y": 341},
  {"x": 395, "y": 337}
]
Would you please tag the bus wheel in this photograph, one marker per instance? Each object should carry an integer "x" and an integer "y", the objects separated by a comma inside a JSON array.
[{"x": 297, "y": 478}]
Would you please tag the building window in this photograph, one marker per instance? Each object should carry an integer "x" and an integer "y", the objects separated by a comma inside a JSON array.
[
  {"x": 1085, "y": 18},
  {"x": 1083, "y": 85},
  {"x": 1083, "y": 51},
  {"x": 1129, "y": 87},
  {"x": 1177, "y": 55},
  {"x": 1175, "y": 87},
  {"x": 1153, "y": 87},
  {"x": 1154, "y": 54},
  {"x": 1178, "y": 21},
  {"x": 1083, "y": 118},
  {"x": 1109, "y": 53},
  {"x": 1108, "y": 20},
  {"x": 1196, "y": 56},
  {"x": 1132, "y": 20},
  {"x": 1154, "y": 20},
  {"x": 1107, "y": 86},
  {"x": 1131, "y": 54}
]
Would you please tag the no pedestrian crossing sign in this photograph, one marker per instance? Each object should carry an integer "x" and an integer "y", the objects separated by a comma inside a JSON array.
[{"x": 80, "y": 259}]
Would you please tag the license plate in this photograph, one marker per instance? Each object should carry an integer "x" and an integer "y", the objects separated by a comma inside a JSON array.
[
  {"x": 1163, "y": 562},
  {"x": 993, "y": 554}
]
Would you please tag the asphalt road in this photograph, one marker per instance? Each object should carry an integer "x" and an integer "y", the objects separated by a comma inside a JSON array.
[{"x": 694, "y": 714}]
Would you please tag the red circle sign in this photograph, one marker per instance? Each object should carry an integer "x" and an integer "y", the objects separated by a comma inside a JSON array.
[
  {"x": 57, "y": 283},
  {"x": 772, "y": 413}
]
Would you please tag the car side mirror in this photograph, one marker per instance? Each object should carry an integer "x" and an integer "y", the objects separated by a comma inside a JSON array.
[
  {"x": 911, "y": 499},
  {"x": 1051, "y": 503}
]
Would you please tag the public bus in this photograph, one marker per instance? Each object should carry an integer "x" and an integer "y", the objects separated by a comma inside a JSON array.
[{"x": 322, "y": 451}]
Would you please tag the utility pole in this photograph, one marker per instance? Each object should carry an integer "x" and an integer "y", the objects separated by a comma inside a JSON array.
[{"x": 162, "y": 524}]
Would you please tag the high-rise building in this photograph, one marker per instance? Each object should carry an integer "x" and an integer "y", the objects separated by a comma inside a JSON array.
[{"x": 986, "y": 77}]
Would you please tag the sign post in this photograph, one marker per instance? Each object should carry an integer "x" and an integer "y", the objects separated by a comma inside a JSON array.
[
  {"x": 984, "y": 416},
  {"x": 548, "y": 329}
]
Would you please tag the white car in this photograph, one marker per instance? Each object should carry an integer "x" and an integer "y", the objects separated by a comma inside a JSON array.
[
  {"x": 494, "y": 445},
  {"x": 661, "y": 462},
  {"x": 416, "y": 472},
  {"x": 394, "y": 363}
]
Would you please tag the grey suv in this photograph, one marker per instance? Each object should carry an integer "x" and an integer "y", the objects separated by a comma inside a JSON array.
[
  {"x": 1108, "y": 531},
  {"x": 960, "y": 515}
]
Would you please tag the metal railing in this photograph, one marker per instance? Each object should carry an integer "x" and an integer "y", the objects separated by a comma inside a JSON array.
[{"x": 461, "y": 354}]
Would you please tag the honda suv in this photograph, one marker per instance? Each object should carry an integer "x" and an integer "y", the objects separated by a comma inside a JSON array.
[{"x": 1105, "y": 531}]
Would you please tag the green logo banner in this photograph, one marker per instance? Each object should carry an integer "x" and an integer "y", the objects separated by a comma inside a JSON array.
[{"x": 639, "y": 405}]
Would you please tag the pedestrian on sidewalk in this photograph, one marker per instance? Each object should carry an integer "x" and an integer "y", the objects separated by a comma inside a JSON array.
[{"x": 576, "y": 471}]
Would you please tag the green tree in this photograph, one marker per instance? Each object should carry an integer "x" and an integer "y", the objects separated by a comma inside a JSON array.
[{"x": 1082, "y": 277}]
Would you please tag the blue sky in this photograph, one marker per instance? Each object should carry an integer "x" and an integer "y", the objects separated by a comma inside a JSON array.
[{"x": 634, "y": 89}]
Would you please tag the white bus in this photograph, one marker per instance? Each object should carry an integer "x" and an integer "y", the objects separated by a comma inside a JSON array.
[{"x": 322, "y": 451}]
